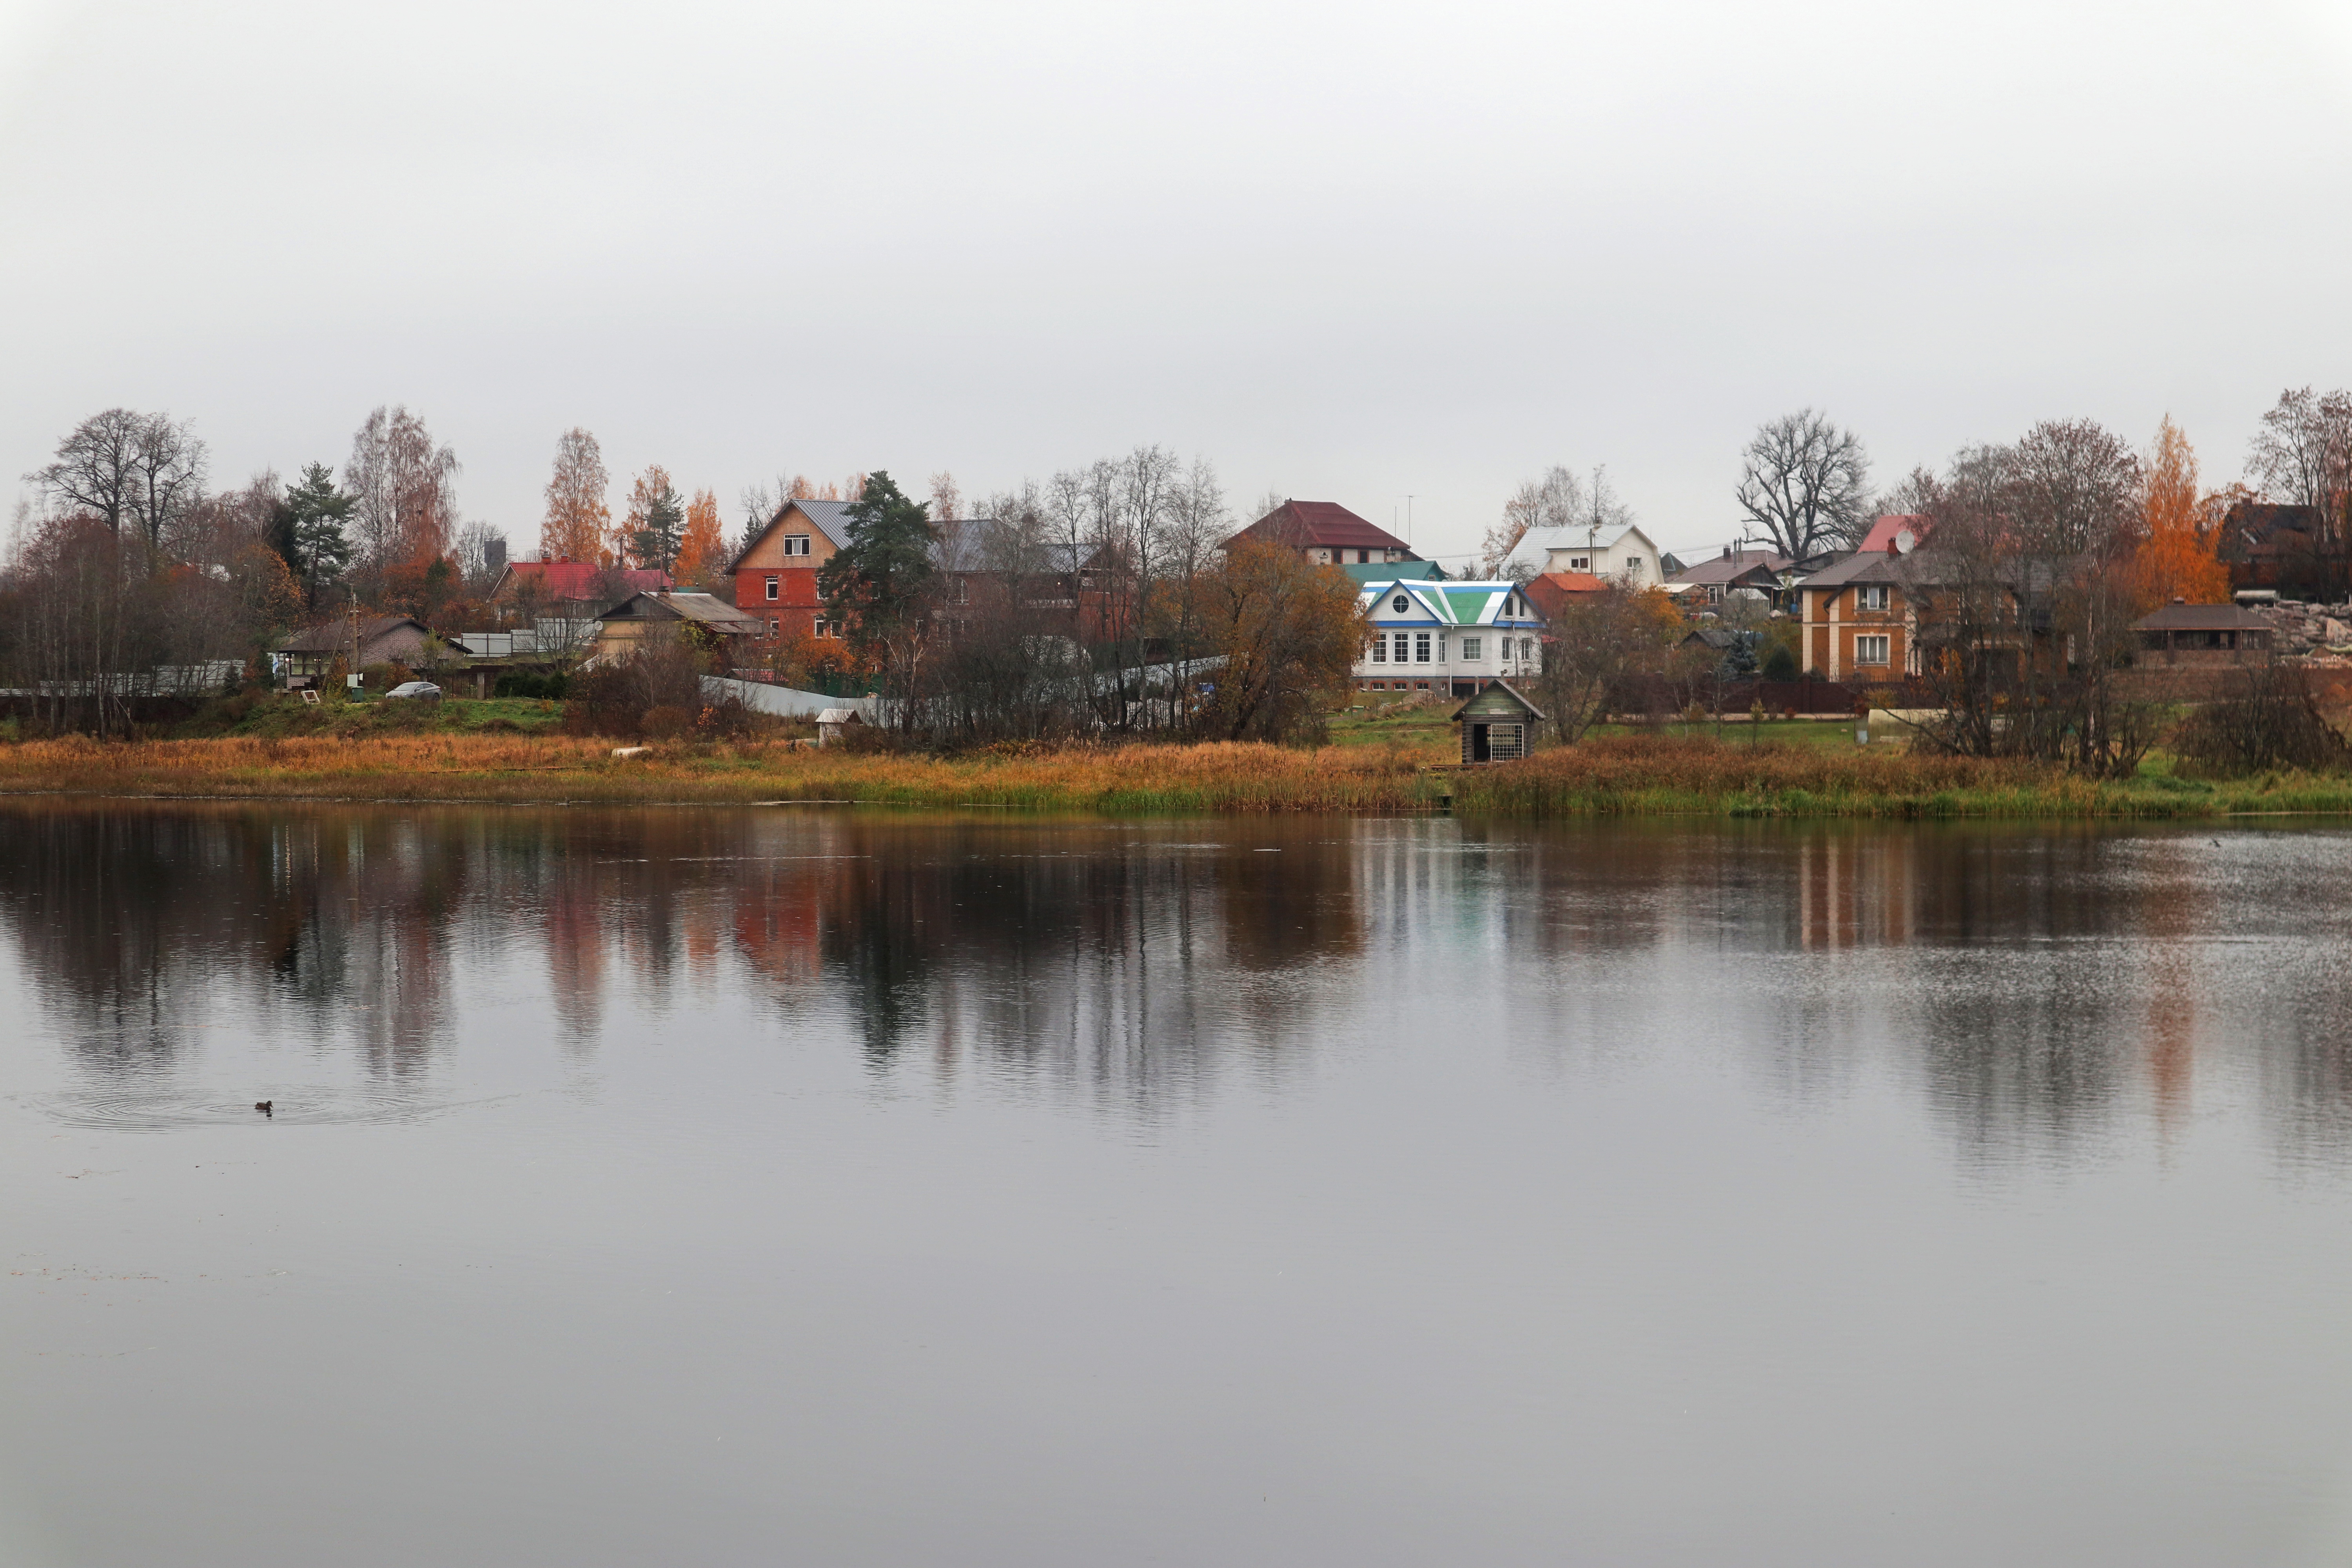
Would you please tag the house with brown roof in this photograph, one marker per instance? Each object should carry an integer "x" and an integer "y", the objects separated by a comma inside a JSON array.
[
  {"x": 1328, "y": 535},
  {"x": 307, "y": 656},
  {"x": 1767, "y": 574},
  {"x": 2288, "y": 549},
  {"x": 1861, "y": 617},
  {"x": 2186, "y": 634},
  {"x": 637, "y": 620}
]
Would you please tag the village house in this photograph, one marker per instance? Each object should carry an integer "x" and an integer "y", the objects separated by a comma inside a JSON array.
[
  {"x": 1767, "y": 576},
  {"x": 1627, "y": 556},
  {"x": 1859, "y": 621},
  {"x": 1329, "y": 536},
  {"x": 627, "y": 627},
  {"x": 1446, "y": 639},
  {"x": 2186, "y": 634},
  {"x": 1553, "y": 592},
  {"x": 309, "y": 655},
  {"x": 775, "y": 573}
]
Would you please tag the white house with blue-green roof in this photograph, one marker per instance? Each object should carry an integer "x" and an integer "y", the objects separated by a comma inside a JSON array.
[{"x": 1446, "y": 639}]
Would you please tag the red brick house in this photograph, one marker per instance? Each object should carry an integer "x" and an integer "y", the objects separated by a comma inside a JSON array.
[
  {"x": 775, "y": 575},
  {"x": 1328, "y": 535}
]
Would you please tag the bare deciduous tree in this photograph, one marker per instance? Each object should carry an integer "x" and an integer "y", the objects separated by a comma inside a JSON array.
[
  {"x": 1805, "y": 484},
  {"x": 404, "y": 487},
  {"x": 168, "y": 475},
  {"x": 122, "y": 464},
  {"x": 2303, "y": 456}
]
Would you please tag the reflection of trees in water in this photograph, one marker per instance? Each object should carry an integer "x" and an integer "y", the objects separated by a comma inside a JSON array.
[
  {"x": 2038, "y": 982},
  {"x": 123, "y": 913}
]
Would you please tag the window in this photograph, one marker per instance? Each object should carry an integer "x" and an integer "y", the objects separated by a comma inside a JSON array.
[
  {"x": 1713, "y": 594},
  {"x": 825, "y": 629},
  {"x": 1400, "y": 647},
  {"x": 1579, "y": 563},
  {"x": 1870, "y": 596},
  {"x": 1469, "y": 647},
  {"x": 1421, "y": 647},
  {"x": 796, "y": 544},
  {"x": 1380, "y": 650},
  {"x": 1527, "y": 648},
  {"x": 775, "y": 587},
  {"x": 1870, "y": 651},
  {"x": 1400, "y": 604},
  {"x": 776, "y": 629}
]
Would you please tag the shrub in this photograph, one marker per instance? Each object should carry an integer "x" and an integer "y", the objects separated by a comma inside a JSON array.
[
  {"x": 525, "y": 683},
  {"x": 1779, "y": 664},
  {"x": 664, "y": 722},
  {"x": 2274, "y": 724}
]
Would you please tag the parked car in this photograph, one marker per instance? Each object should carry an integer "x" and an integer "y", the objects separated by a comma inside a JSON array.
[{"x": 417, "y": 690}]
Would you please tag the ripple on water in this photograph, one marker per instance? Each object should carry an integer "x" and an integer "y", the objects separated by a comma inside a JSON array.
[{"x": 124, "y": 1109}]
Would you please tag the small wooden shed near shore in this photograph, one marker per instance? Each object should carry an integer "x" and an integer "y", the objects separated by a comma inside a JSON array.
[{"x": 1496, "y": 725}]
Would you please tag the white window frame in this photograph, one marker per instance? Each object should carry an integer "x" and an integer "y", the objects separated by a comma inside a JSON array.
[
  {"x": 776, "y": 588},
  {"x": 1380, "y": 648},
  {"x": 1872, "y": 596},
  {"x": 1470, "y": 650},
  {"x": 796, "y": 544},
  {"x": 1866, "y": 644},
  {"x": 1421, "y": 647}
]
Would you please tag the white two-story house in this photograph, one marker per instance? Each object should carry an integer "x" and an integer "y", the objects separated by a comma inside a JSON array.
[
  {"x": 1625, "y": 555},
  {"x": 1445, "y": 640}
]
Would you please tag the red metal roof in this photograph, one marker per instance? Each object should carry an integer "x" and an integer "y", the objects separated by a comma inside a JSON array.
[
  {"x": 1880, "y": 540},
  {"x": 1324, "y": 522}
]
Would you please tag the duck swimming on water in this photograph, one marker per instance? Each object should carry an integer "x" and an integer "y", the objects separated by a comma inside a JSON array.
[{"x": 263, "y": 1106}]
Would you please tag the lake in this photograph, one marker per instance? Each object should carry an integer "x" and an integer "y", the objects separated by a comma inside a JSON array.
[{"x": 784, "y": 1185}]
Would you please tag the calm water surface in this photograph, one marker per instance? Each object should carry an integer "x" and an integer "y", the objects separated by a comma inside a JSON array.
[{"x": 767, "y": 1186}]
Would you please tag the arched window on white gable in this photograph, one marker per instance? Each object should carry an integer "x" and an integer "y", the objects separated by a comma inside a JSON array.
[{"x": 1400, "y": 604}]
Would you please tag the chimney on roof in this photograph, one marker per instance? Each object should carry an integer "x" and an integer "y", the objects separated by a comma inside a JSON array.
[{"x": 1727, "y": 552}]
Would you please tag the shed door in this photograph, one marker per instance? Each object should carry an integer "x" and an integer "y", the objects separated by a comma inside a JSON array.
[{"x": 1478, "y": 747}]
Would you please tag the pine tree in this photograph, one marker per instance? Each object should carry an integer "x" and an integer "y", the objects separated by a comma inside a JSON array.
[{"x": 321, "y": 549}]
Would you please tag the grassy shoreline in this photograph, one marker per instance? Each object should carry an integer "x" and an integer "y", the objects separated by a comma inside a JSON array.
[{"x": 1631, "y": 775}]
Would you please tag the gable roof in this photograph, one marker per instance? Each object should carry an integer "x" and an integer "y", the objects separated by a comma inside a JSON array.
[
  {"x": 1487, "y": 701},
  {"x": 1731, "y": 566},
  {"x": 830, "y": 517},
  {"x": 703, "y": 608},
  {"x": 1448, "y": 603},
  {"x": 1535, "y": 547},
  {"x": 331, "y": 637},
  {"x": 573, "y": 580},
  {"x": 1323, "y": 522}
]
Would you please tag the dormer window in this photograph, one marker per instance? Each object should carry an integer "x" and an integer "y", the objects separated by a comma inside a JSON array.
[
  {"x": 1400, "y": 604},
  {"x": 796, "y": 544}
]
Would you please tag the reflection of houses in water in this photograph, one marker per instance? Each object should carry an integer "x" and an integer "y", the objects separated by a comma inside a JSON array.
[{"x": 1855, "y": 890}]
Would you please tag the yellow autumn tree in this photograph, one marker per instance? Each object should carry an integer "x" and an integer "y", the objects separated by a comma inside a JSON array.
[
  {"x": 577, "y": 517},
  {"x": 2174, "y": 559},
  {"x": 702, "y": 551}
]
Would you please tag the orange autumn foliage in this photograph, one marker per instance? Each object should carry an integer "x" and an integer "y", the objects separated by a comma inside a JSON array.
[
  {"x": 2176, "y": 558},
  {"x": 701, "y": 550}
]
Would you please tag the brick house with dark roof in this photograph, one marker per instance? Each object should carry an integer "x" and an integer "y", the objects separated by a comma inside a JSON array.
[
  {"x": 775, "y": 575},
  {"x": 1328, "y": 535}
]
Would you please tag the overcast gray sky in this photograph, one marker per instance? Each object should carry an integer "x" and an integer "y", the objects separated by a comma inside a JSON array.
[{"x": 1349, "y": 251}]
